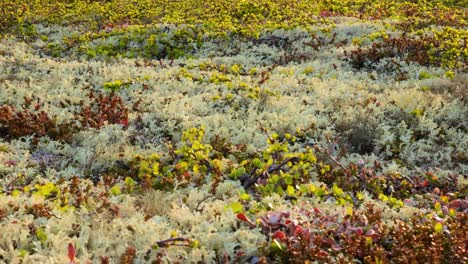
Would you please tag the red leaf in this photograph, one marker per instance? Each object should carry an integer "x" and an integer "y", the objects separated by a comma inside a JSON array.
[
  {"x": 71, "y": 252},
  {"x": 279, "y": 235},
  {"x": 425, "y": 183},
  {"x": 243, "y": 217},
  {"x": 371, "y": 232},
  {"x": 226, "y": 258},
  {"x": 336, "y": 247},
  {"x": 356, "y": 230},
  {"x": 459, "y": 204},
  {"x": 317, "y": 210},
  {"x": 124, "y": 122},
  {"x": 298, "y": 229},
  {"x": 10, "y": 163},
  {"x": 329, "y": 241},
  {"x": 360, "y": 231}
]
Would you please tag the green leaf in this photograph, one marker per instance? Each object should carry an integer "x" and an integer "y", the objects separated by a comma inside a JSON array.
[
  {"x": 41, "y": 235},
  {"x": 274, "y": 178},
  {"x": 196, "y": 145},
  {"x": 194, "y": 243},
  {"x": 319, "y": 192},
  {"x": 279, "y": 190},
  {"x": 340, "y": 201},
  {"x": 156, "y": 168},
  {"x": 129, "y": 184},
  {"x": 303, "y": 188},
  {"x": 143, "y": 168},
  {"x": 22, "y": 253},
  {"x": 257, "y": 163},
  {"x": 288, "y": 178},
  {"x": 236, "y": 173},
  {"x": 276, "y": 246}
]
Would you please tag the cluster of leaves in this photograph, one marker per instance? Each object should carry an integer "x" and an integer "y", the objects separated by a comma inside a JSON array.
[
  {"x": 392, "y": 188},
  {"x": 19, "y": 123},
  {"x": 277, "y": 170},
  {"x": 420, "y": 13},
  {"x": 55, "y": 198},
  {"x": 445, "y": 48},
  {"x": 418, "y": 17},
  {"x": 242, "y": 17},
  {"x": 11, "y": 13},
  {"x": 61, "y": 196},
  {"x": 103, "y": 108},
  {"x": 235, "y": 85},
  {"x": 363, "y": 235},
  {"x": 147, "y": 42},
  {"x": 120, "y": 29},
  {"x": 294, "y": 236},
  {"x": 192, "y": 163}
]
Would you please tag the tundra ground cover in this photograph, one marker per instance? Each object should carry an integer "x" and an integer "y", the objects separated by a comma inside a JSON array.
[{"x": 222, "y": 132}]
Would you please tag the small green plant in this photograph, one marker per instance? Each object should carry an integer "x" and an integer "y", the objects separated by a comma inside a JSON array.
[
  {"x": 424, "y": 75},
  {"x": 276, "y": 169},
  {"x": 189, "y": 164},
  {"x": 113, "y": 86}
]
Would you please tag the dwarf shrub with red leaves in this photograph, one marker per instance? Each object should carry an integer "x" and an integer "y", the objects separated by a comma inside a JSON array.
[
  {"x": 363, "y": 236},
  {"x": 439, "y": 48},
  {"x": 19, "y": 123},
  {"x": 129, "y": 256},
  {"x": 104, "y": 108}
]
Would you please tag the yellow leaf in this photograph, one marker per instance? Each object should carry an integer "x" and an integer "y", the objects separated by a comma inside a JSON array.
[
  {"x": 349, "y": 211},
  {"x": 359, "y": 196},
  {"x": 15, "y": 193},
  {"x": 115, "y": 190},
  {"x": 236, "y": 207}
]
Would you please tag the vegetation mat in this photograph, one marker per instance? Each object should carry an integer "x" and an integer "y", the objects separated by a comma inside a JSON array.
[{"x": 216, "y": 131}]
